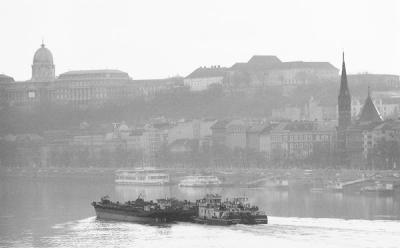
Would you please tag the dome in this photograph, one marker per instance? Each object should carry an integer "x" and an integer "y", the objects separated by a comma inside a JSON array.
[{"x": 43, "y": 55}]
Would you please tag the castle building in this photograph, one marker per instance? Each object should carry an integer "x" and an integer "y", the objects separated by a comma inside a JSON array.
[
  {"x": 82, "y": 88},
  {"x": 203, "y": 78},
  {"x": 268, "y": 70}
]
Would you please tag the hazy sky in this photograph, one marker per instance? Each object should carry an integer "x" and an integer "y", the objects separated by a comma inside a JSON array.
[{"x": 152, "y": 39}]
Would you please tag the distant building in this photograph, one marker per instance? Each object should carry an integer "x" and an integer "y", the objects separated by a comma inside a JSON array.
[
  {"x": 381, "y": 145},
  {"x": 236, "y": 134},
  {"x": 299, "y": 140},
  {"x": 259, "y": 139},
  {"x": 376, "y": 81},
  {"x": 316, "y": 111},
  {"x": 302, "y": 73},
  {"x": 229, "y": 133},
  {"x": 353, "y": 138},
  {"x": 218, "y": 133},
  {"x": 367, "y": 120},
  {"x": 194, "y": 129},
  {"x": 5, "y": 79},
  {"x": 203, "y": 77},
  {"x": 253, "y": 136},
  {"x": 313, "y": 110},
  {"x": 78, "y": 88},
  {"x": 267, "y": 70}
]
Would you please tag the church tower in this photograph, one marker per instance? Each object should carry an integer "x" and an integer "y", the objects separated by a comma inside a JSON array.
[
  {"x": 369, "y": 113},
  {"x": 43, "y": 69},
  {"x": 344, "y": 109}
]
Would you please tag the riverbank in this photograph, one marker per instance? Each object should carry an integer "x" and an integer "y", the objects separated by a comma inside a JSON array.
[{"x": 231, "y": 176}]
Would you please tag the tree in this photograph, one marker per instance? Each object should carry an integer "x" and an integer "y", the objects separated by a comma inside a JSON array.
[{"x": 385, "y": 154}]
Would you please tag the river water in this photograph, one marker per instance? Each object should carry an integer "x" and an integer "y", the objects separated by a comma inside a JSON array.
[{"x": 57, "y": 213}]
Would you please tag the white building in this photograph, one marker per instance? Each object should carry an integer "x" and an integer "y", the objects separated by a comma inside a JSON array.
[
  {"x": 194, "y": 129},
  {"x": 203, "y": 77}
]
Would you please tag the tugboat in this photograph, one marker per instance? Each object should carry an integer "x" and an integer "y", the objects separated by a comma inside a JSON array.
[
  {"x": 213, "y": 211},
  {"x": 148, "y": 212}
]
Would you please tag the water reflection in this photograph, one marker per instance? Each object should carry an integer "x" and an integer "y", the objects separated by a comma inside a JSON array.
[{"x": 31, "y": 210}]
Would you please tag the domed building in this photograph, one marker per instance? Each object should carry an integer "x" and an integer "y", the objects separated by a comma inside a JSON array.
[
  {"x": 43, "y": 68},
  {"x": 6, "y": 79},
  {"x": 78, "y": 88}
]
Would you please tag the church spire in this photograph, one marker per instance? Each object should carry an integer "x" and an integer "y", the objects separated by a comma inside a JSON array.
[
  {"x": 344, "y": 88},
  {"x": 369, "y": 91},
  {"x": 344, "y": 100},
  {"x": 344, "y": 111}
]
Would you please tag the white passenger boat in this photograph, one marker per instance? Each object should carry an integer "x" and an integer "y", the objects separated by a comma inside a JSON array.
[
  {"x": 142, "y": 176},
  {"x": 200, "y": 181},
  {"x": 379, "y": 188}
]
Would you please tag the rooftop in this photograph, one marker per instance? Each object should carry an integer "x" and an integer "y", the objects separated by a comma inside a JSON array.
[
  {"x": 302, "y": 64},
  {"x": 94, "y": 74},
  {"x": 369, "y": 113},
  {"x": 6, "y": 79},
  {"x": 264, "y": 60},
  {"x": 204, "y": 72},
  {"x": 220, "y": 124}
]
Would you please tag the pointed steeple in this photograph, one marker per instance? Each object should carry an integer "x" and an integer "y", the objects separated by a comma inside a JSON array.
[
  {"x": 369, "y": 91},
  {"x": 369, "y": 113},
  {"x": 344, "y": 88},
  {"x": 344, "y": 114},
  {"x": 344, "y": 100}
]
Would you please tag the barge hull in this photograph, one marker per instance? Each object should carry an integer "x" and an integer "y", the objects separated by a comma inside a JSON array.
[
  {"x": 123, "y": 216},
  {"x": 217, "y": 222}
]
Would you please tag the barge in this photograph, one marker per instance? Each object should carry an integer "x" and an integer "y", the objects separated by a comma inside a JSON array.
[
  {"x": 148, "y": 212},
  {"x": 210, "y": 210}
]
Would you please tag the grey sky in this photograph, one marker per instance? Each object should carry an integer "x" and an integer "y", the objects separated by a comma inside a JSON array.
[{"x": 151, "y": 39}]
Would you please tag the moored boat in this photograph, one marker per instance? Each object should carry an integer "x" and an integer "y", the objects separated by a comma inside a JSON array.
[
  {"x": 142, "y": 176},
  {"x": 200, "y": 181},
  {"x": 379, "y": 188}
]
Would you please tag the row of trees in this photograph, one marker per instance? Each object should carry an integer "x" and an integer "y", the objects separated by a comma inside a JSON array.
[{"x": 385, "y": 155}]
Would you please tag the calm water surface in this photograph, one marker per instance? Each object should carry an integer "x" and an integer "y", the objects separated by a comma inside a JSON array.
[{"x": 57, "y": 213}]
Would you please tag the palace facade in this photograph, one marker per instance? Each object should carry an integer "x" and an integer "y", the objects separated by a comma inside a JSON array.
[{"x": 78, "y": 88}]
